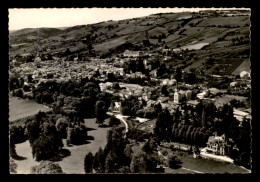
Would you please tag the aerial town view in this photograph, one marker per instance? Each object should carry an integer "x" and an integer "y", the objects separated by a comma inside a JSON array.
[{"x": 163, "y": 92}]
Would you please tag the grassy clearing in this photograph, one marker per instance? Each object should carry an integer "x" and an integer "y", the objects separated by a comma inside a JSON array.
[
  {"x": 24, "y": 150},
  {"x": 19, "y": 108},
  {"x": 208, "y": 166},
  {"x": 73, "y": 164},
  {"x": 147, "y": 126}
]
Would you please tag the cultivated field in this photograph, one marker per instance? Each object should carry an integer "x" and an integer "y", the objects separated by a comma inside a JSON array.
[{"x": 20, "y": 108}]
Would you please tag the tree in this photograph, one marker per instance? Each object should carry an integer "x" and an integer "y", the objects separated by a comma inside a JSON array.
[
  {"x": 46, "y": 167},
  {"x": 164, "y": 90},
  {"x": 173, "y": 162},
  {"x": 29, "y": 78},
  {"x": 111, "y": 77},
  {"x": 143, "y": 163},
  {"x": 147, "y": 148},
  {"x": 190, "y": 78},
  {"x": 99, "y": 161},
  {"x": 77, "y": 135},
  {"x": 48, "y": 144},
  {"x": 61, "y": 126},
  {"x": 140, "y": 66},
  {"x": 163, "y": 126},
  {"x": 88, "y": 163},
  {"x": 18, "y": 93},
  {"x": 203, "y": 121},
  {"x": 178, "y": 74},
  {"x": 13, "y": 83},
  {"x": 110, "y": 163},
  {"x": 115, "y": 86},
  {"x": 12, "y": 144},
  {"x": 113, "y": 121},
  {"x": 100, "y": 112},
  {"x": 26, "y": 88},
  {"x": 67, "y": 52}
]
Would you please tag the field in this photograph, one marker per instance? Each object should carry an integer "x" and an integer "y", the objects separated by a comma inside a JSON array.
[
  {"x": 208, "y": 166},
  {"x": 244, "y": 66},
  {"x": 19, "y": 108},
  {"x": 226, "y": 99},
  {"x": 201, "y": 165}
]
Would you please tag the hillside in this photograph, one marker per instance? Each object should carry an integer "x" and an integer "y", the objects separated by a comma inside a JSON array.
[{"x": 226, "y": 33}]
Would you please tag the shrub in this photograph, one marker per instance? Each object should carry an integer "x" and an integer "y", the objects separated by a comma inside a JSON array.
[
  {"x": 18, "y": 93},
  {"x": 46, "y": 167},
  {"x": 17, "y": 134},
  {"x": 165, "y": 152},
  {"x": 140, "y": 113},
  {"x": 113, "y": 121},
  {"x": 77, "y": 135},
  {"x": 61, "y": 126},
  {"x": 173, "y": 162}
]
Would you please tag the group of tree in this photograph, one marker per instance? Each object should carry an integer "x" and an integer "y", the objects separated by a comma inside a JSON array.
[
  {"x": 130, "y": 106},
  {"x": 163, "y": 125},
  {"x": 149, "y": 112},
  {"x": 100, "y": 110},
  {"x": 113, "y": 121},
  {"x": 77, "y": 134},
  {"x": 44, "y": 139},
  {"x": 135, "y": 66}
]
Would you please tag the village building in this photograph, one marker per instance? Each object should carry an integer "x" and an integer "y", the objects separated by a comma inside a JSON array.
[
  {"x": 115, "y": 107},
  {"x": 240, "y": 115},
  {"x": 134, "y": 54},
  {"x": 216, "y": 145},
  {"x": 180, "y": 95},
  {"x": 245, "y": 75}
]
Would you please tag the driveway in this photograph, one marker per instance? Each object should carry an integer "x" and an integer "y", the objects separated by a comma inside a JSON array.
[{"x": 121, "y": 118}]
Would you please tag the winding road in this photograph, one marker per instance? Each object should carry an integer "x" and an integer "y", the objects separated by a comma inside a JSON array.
[{"x": 121, "y": 118}]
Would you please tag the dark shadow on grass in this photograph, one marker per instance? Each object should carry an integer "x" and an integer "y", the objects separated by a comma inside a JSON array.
[
  {"x": 80, "y": 143},
  {"x": 177, "y": 166},
  {"x": 90, "y": 129},
  {"x": 63, "y": 153},
  {"x": 18, "y": 158},
  {"x": 90, "y": 138},
  {"x": 103, "y": 126},
  {"x": 159, "y": 170}
]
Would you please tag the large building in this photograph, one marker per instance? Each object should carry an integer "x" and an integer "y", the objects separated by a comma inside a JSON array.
[{"x": 134, "y": 54}]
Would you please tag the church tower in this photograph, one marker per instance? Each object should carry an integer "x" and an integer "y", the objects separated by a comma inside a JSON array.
[{"x": 176, "y": 94}]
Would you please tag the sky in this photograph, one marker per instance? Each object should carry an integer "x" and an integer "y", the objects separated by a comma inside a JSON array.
[{"x": 66, "y": 17}]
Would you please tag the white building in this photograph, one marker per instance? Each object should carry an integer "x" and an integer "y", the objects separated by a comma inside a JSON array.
[
  {"x": 134, "y": 54},
  {"x": 245, "y": 75}
]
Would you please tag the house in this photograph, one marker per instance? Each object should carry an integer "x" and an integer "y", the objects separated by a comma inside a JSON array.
[
  {"x": 192, "y": 103},
  {"x": 240, "y": 115},
  {"x": 216, "y": 145},
  {"x": 179, "y": 95},
  {"x": 204, "y": 94},
  {"x": 133, "y": 54},
  {"x": 168, "y": 82},
  {"x": 116, "y": 107}
]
